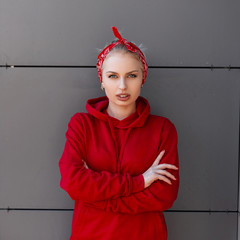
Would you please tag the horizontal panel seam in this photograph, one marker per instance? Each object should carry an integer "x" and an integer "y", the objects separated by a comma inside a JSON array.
[
  {"x": 212, "y": 67},
  {"x": 71, "y": 209}
]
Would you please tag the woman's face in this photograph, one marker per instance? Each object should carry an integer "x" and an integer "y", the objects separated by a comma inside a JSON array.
[{"x": 122, "y": 79}]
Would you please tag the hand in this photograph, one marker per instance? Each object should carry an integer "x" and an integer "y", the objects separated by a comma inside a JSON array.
[{"x": 157, "y": 172}]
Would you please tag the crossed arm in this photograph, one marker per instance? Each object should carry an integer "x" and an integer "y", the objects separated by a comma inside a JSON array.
[
  {"x": 159, "y": 193},
  {"x": 150, "y": 191}
]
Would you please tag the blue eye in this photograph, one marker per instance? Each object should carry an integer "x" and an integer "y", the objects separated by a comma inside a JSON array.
[
  {"x": 112, "y": 76},
  {"x": 133, "y": 75}
]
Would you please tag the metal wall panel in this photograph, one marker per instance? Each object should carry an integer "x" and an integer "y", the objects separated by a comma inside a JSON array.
[
  {"x": 199, "y": 226},
  {"x": 49, "y": 225},
  {"x": 238, "y": 226},
  {"x": 35, "y": 225},
  {"x": 36, "y": 105},
  {"x": 69, "y": 32}
]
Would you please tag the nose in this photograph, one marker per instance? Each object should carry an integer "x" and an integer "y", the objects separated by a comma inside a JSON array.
[{"x": 122, "y": 84}]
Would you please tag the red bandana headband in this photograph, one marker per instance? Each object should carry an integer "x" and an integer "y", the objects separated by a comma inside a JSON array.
[{"x": 130, "y": 46}]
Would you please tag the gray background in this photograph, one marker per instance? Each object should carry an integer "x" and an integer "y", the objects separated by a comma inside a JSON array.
[{"x": 36, "y": 104}]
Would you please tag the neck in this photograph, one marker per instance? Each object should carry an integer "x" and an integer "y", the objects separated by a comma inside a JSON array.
[{"x": 119, "y": 112}]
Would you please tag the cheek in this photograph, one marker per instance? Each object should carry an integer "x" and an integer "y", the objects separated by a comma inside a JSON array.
[
  {"x": 136, "y": 88},
  {"x": 110, "y": 88}
]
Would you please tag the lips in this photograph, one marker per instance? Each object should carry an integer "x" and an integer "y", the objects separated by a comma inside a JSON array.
[{"x": 123, "y": 96}]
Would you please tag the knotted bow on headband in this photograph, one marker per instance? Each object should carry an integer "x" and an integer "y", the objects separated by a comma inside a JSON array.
[{"x": 130, "y": 46}]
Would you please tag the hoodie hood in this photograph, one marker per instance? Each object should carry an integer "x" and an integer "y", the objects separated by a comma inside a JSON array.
[{"x": 97, "y": 108}]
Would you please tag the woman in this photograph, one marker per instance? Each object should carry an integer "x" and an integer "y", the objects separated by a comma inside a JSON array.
[{"x": 120, "y": 163}]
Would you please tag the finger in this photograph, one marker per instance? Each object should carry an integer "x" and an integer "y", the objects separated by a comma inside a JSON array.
[
  {"x": 166, "y": 165},
  {"x": 85, "y": 165},
  {"x": 157, "y": 160},
  {"x": 165, "y": 179},
  {"x": 166, "y": 173}
]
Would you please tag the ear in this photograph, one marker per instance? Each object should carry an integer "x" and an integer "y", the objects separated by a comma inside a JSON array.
[{"x": 103, "y": 84}]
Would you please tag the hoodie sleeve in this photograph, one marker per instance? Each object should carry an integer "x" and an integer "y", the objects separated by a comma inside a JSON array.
[
  {"x": 159, "y": 196},
  {"x": 85, "y": 184}
]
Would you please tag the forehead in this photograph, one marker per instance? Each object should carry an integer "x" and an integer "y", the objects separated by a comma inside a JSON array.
[{"x": 121, "y": 61}]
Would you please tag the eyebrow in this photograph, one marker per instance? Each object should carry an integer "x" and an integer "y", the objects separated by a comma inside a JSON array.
[{"x": 128, "y": 72}]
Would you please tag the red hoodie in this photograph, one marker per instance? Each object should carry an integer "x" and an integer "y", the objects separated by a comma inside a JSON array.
[{"x": 110, "y": 200}]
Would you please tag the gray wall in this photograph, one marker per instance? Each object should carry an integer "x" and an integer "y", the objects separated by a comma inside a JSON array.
[{"x": 36, "y": 104}]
